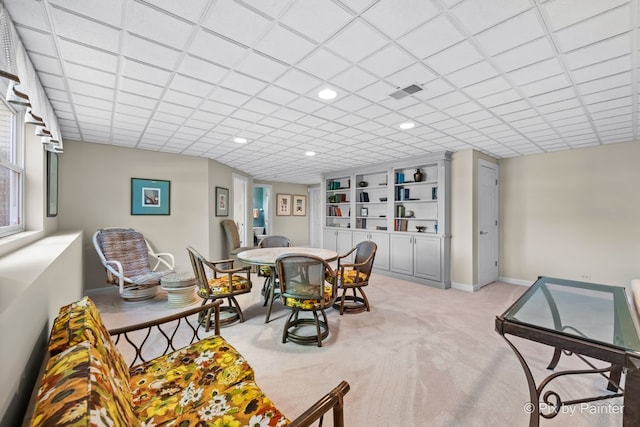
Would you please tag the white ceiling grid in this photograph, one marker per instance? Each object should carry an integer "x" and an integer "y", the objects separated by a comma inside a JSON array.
[{"x": 506, "y": 77}]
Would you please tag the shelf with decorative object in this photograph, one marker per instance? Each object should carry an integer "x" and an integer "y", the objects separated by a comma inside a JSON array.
[{"x": 400, "y": 198}]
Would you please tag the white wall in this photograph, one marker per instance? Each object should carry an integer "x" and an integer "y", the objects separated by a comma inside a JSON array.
[
  {"x": 36, "y": 281},
  {"x": 572, "y": 214}
]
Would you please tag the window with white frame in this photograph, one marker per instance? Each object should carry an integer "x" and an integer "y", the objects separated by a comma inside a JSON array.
[{"x": 11, "y": 173}]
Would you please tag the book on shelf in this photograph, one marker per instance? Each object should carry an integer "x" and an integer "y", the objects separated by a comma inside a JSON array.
[
  {"x": 363, "y": 196},
  {"x": 399, "y": 177},
  {"x": 434, "y": 193},
  {"x": 334, "y": 211},
  {"x": 400, "y": 224}
]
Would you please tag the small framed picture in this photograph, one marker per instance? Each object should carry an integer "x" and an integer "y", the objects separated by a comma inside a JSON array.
[
  {"x": 150, "y": 197},
  {"x": 222, "y": 201},
  {"x": 299, "y": 205},
  {"x": 364, "y": 212},
  {"x": 283, "y": 204}
]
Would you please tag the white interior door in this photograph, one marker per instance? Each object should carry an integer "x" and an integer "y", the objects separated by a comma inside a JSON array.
[
  {"x": 240, "y": 213},
  {"x": 487, "y": 222}
]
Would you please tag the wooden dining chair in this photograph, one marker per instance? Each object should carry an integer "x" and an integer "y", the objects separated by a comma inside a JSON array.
[
  {"x": 223, "y": 282},
  {"x": 307, "y": 285},
  {"x": 353, "y": 277},
  {"x": 271, "y": 278}
]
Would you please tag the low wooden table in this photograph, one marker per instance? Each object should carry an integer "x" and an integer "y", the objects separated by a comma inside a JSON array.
[{"x": 180, "y": 289}]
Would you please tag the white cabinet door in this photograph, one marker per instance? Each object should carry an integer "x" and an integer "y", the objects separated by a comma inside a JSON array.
[
  {"x": 401, "y": 259},
  {"x": 381, "y": 261},
  {"x": 427, "y": 257},
  {"x": 344, "y": 241},
  {"x": 329, "y": 239}
]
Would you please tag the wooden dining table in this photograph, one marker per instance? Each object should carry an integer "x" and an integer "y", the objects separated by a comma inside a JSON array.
[{"x": 268, "y": 257}]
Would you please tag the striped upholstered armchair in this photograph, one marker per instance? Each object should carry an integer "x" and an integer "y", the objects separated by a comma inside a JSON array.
[{"x": 126, "y": 257}]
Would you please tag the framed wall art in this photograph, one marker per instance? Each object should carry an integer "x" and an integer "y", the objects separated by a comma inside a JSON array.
[
  {"x": 299, "y": 205},
  {"x": 222, "y": 201},
  {"x": 283, "y": 204},
  {"x": 150, "y": 197},
  {"x": 52, "y": 184}
]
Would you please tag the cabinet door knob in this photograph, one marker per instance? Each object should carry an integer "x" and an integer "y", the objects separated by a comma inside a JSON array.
[{"x": 483, "y": 232}]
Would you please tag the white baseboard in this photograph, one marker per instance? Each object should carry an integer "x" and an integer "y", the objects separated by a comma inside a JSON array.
[
  {"x": 513, "y": 281},
  {"x": 465, "y": 287}
]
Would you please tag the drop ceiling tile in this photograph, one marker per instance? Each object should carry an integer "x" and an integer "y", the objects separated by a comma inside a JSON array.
[
  {"x": 377, "y": 91},
  {"x": 478, "y": 15},
  {"x": 261, "y": 67},
  {"x": 306, "y": 105},
  {"x": 511, "y": 107},
  {"x": 440, "y": 32},
  {"x": 607, "y": 95},
  {"x": 509, "y": 34},
  {"x": 277, "y": 95},
  {"x": 87, "y": 56},
  {"x": 188, "y": 9},
  {"x": 182, "y": 98},
  {"x": 82, "y": 73},
  {"x": 109, "y": 12},
  {"x": 173, "y": 113},
  {"x": 318, "y": 19},
  {"x": 228, "y": 96},
  {"x": 151, "y": 53},
  {"x": 487, "y": 87},
  {"x": 524, "y": 55},
  {"x": 598, "y": 52},
  {"x": 52, "y": 81},
  {"x": 155, "y": 25},
  {"x": 434, "y": 89},
  {"x": 203, "y": 70},
  {"x": 609, "y": 105},
  {"x": 353, "y": 79},
  {"x": 500, "y": 98},
  {"x": 618, "y": 80},
  {"x": 242, "y": 83},
  {"x": 602, "y": 69},
  {"x": 594, "y": 29},
  {"x": 546, "y": 85},
  {"x": 538, "y": 71},
  {"x": 140, "y": 88},
  {"x": 562, "y": 13},
  {"x": 191, "y": 86},
  {"x": 558, "y": 106},
  {"x": 448, "y": 100},
  {"x": 88, "y": 89},
  {"x": 236, "y": 22},
  {"x": 284, "y": 45},
  {"x": 58, "y": 95},
  {"x": 396, "y": 18},
  {"x": 414, "y": 74},
  {"x": 216, "y": 49},
  {"x": 356, "y": 41},
  {"x": 388, "y": 60},
  {"x": 472, "y": 74},
  {"x": 287, "y": 114},
  {"x": 297, "y": 81},
  {"x": 144, "y": 72},
  {"x": 350, "y": 103},
  {"x": 351, "y": 120},
  {"x": 454, "y": 58},
  {"x": 85, "y": 31}
]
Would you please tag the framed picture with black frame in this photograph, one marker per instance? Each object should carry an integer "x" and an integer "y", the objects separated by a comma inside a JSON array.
[
  {"x": 222, "y": 201},
  {"x": 150, "y": 196},
  {"x": 52, "y": 184}
]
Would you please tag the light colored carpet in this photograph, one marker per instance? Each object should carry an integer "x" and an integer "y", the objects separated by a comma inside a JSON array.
[{"x": 421, "y": 357}]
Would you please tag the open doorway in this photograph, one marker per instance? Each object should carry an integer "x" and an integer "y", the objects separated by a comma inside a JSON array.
[
  {"x": 240, "y": 184},
  {"x": 262, "y": 220}
]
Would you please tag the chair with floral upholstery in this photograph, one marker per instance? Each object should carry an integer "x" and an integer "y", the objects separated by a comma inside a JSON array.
[
  {"x": 355, "y": 276},
  {"x": 125, "y": 255},
  {"x": 222, "y": 282},
  {"x": 307, "y": 285},
  {"x": 270, "y": 281},
  {"x": 231, "y": 244}
]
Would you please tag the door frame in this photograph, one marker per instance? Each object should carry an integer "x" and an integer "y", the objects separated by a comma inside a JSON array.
[
  {"x": 495, "y": 237},
  {"x": 240, "y": 208}
]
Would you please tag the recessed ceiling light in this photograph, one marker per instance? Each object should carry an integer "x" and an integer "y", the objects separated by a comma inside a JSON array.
[
  {"x": 310, "y": 153},
  {"x": 407, "y": 125},
  {"x": 327, "y": 94},
  {"x": 240, "y": 140}
]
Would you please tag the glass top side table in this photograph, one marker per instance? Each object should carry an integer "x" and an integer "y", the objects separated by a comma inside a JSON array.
[{"x": 583, "y": 319}]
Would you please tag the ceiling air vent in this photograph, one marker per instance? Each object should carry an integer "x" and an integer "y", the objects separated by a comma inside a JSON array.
[{"x": 399, "y": 94}]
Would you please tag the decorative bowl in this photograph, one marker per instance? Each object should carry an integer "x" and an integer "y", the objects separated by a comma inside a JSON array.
[{"x": 420, "y": 228}]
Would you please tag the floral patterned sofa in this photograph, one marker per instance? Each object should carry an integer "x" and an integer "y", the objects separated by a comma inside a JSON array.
[{"x": 87, "y": 382}]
